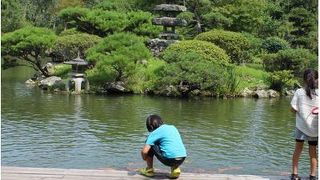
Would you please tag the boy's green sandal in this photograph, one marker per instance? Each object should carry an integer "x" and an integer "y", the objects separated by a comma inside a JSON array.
[
  {"x": 175, "y": 173},
  {"x": 147, "y": 172}
]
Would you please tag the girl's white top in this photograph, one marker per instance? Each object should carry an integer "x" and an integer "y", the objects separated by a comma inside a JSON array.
[{"x": 305, "y": 120}]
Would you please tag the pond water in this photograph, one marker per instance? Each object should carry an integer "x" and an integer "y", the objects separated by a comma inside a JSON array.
[{"x": 234, "y": 136}]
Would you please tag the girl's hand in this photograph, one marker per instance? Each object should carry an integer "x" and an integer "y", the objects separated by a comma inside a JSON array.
[{"x": 315, "y": 110}]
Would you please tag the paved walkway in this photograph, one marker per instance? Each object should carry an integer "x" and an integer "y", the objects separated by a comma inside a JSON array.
[{"x": 24, "y": 173}]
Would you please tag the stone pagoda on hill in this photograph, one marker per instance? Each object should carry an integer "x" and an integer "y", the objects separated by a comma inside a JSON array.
[{"x": 168, "y": 20}]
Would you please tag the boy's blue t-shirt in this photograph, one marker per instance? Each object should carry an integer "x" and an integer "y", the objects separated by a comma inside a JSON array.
[{"x": 169, "y": 140}]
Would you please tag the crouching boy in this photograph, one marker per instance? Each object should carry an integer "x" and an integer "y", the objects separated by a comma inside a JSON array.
[{"x": 164, "y": 142}]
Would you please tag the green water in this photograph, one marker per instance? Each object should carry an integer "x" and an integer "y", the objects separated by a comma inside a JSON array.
[{"x": 234, "y": 136}]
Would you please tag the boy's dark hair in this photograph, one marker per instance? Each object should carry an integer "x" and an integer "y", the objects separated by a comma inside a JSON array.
[
  {"x": 310, "y": 76},
  {"x": 153, "y": 122}
]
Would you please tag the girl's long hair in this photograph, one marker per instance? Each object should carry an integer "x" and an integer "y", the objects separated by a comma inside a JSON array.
[{"x": 310, "y": 76}]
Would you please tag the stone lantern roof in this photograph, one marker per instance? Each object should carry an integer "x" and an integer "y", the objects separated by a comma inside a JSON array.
[{"x": 77, "y": 61}]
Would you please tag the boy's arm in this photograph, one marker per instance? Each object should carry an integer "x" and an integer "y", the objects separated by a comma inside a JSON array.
[{"x": 144, "y": 151}]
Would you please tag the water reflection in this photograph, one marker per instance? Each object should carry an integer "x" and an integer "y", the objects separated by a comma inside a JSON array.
[{"x": 239, "y": 136}]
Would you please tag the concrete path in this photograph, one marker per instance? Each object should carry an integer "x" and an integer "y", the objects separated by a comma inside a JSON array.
[{"x": 24, "y": 173}]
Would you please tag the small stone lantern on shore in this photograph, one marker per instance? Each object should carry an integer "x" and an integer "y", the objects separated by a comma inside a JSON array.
[{"x": 77, "y": 76}]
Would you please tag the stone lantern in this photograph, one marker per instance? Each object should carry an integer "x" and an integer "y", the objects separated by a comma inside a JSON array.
[
  {"x": 77, "y": 75},
  {"x": 169, "y": 21}
]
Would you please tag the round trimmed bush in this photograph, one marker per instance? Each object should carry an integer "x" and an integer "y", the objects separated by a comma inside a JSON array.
[
  {"x": 235, "y": 44},
  {"x": 205, "y": 50}
]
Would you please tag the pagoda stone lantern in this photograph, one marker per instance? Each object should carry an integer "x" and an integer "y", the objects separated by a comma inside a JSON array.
[
  {"x": 168, "y": 20},
  {"x": 77, "y": 76}
]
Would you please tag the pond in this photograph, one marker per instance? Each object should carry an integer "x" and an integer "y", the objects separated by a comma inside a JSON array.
[{"x": 233, "y": 136}]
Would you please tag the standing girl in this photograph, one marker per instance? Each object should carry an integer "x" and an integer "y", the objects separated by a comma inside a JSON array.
[{"x": 305, "y": 104}]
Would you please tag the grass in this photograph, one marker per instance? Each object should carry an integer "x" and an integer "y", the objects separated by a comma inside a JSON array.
[{"x": 251, "y": 77}]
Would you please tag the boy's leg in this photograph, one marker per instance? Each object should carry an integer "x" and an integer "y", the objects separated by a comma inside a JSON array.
[
  {"x": 148, "y": 171},
  {"x": 149, "y": 160},
  {"x": 313, "y": 157},
  {"x": 296, "y": 156}
]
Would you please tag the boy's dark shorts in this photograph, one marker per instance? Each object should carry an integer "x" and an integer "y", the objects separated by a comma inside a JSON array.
[{"x": 172, "y": 162}]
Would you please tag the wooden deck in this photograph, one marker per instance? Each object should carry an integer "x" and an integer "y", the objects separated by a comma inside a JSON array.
[{"x": 24, "y": 173}]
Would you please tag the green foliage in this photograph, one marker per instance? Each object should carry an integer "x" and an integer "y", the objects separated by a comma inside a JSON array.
[
  {"x": 255, "y": 44},
  {"x": 235, "y": 44},
  {"x": 71, "y": 14},
  {"x": 197, "y": 65},
  {"x": 27, "y": 40},
  {"x": 241, "y": 15},
  {"x": 116, "y": 57},
  {"x": 71, "y": 31},
  {"x": 196, "y": 9},
  {"x": 145, "y": 77},
  {"x": 72, "y": 42},
  {"x": 139, "y": 22},
  {"x": 274, "y": 44},
  {"x": 194, "y": 72},
  {"x": 115, "y": 5},
  {"x": 304, "y": 22},
  {"x": 29, "y": 44},
  {"x": 250, "y": 77},
  {"x": 280, "y": 80},
  {"x": 61, "y": 70},
  {"x": 11, "y": 15},
  {"x": 203, "y": 49},
  {"x": 296, "y": 60},
  {"x": 102, "y": 22},
  {"x": 39, "y": 13}
]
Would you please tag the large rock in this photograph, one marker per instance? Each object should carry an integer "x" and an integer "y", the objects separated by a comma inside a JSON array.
[
  {"x": 266, "y": 94},
  {"x": 247, "y": 93},
  {"x": 116, "y": 88},
  {"x": 49, "y": 82},
  {"x": 168, "y": 91},
  {"x": 170, "y": 8},
  {"x": 260, "y": 94},
  {"x": 31, "y": 82},
  {"x": 273, "y": 93}
]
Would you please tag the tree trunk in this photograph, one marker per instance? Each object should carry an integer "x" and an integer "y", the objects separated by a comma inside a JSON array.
[{"x": 44, "y": 71}]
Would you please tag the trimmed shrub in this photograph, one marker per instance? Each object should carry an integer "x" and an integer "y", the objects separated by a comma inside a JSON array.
[
  {"x": 194, "y": 71},
  {"x": 205, "y": 50},
  {"x": 235, "y": 44}
]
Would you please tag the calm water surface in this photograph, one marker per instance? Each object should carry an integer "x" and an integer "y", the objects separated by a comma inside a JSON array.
[{"x": 234, "y": 136}]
